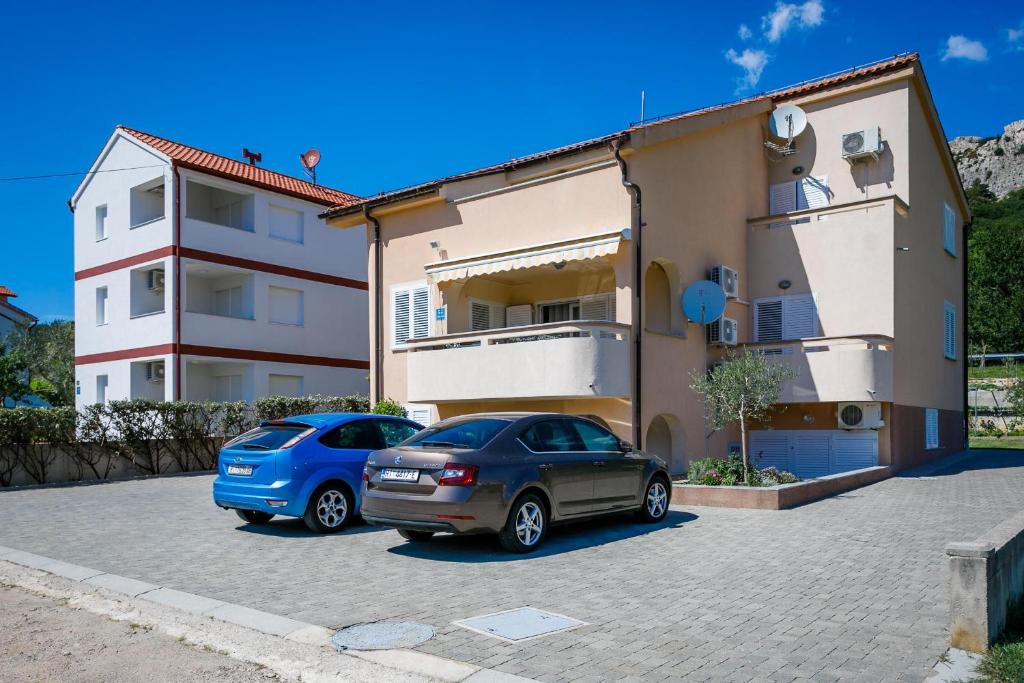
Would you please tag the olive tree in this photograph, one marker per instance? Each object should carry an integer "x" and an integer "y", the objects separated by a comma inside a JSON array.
[{"x": 742, "y": 388}]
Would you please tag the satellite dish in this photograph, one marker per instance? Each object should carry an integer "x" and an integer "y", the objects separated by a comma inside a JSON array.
[
  {"x": 703, "y": 302},
  {"x": 787, "y": 122},
  {"x": 310, "y": 159}
]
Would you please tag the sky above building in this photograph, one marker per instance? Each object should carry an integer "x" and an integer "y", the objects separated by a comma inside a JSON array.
[{"x": 398, "y": 93}]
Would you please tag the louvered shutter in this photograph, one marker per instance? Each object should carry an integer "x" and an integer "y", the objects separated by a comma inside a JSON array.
[
  {"x": 599, "y": 307},
  {"x": 931, "y": 428},
  {"x": 518, "y": 316},
  {"x": 949, "y": 330},
  {"x": 420, "y": 312},
  {"x": 799, "y": 316},
  {"x": 949, "y": 229},
  {"x": 768, "y": 319},
  {"x": 401, "y": 315},
  {"x": 782, "y": 198},
  {"x": 479, "y": 316},
  {"x": 812, "y": 193}
]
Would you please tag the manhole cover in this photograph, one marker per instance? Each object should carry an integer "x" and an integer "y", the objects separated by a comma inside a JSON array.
[
  {"x": 520, "y": 624},
  {"x": 382, "y": 636}
]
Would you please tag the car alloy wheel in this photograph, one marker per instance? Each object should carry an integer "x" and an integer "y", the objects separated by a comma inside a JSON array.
[
  {"x": 332, "y": 508},
  {"x": 657, "y": 500},
  {"x": 529, "y": 523}
]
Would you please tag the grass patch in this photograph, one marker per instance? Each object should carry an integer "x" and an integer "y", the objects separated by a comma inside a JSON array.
[
  {"x": 1004, "y": 662},
  {"x": 993, "y": 372},
  {"x": 1003, "y": 442}
]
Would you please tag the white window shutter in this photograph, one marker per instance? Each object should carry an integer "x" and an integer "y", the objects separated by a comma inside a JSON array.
[
  {"x": 519, "y": 316},
  {"x": 799, "y": 316},
  {"x": 949, "y": 229},
  {"x": 782, "y": 198},
  {"x": 949, "y": 330},
  {"x": 479, "y": 316},
  {"x": 597, "y": 307},
  {"x": 420, "y": 312},
  {"x": 768, "y": 319},
  {"x": 812, "y": 193},
  {"x": 931, "y": 428},
  {"x": 401, "y": 315}
]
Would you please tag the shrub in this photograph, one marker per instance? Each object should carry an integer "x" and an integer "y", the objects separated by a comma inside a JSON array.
[
  {"x": 729, "y": 472},
  {"x": 389, "y": 407},
  {"x": 771, "y": 476}
]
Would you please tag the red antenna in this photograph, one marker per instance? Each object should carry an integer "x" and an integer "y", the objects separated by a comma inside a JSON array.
[
  {"x": 309, "y": 161},
  {"x": 253, "y": 157}
]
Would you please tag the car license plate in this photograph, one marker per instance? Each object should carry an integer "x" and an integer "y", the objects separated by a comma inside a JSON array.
[
  {"x": 399, "y": 475},
  {"x": 240, "y": 470}
]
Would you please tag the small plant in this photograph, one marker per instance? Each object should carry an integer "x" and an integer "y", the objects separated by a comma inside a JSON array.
[
  {"x": 388, "y": 406},
  {"x": 1000, "y": 152}
]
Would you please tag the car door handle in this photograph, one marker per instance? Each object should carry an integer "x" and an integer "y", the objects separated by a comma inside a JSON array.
[
  {"x": 599, "y": 463},
  {"x": 545, "y": 466}
]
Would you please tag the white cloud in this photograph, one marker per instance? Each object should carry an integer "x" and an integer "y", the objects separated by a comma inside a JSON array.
[
  {"x": 806, "y": 15},
  {"x": 960, "y": 47},
  {"x": 745, "y": 33},
  {"x": 752, "y": 62},
  {"x": 1015, "y": 36}
]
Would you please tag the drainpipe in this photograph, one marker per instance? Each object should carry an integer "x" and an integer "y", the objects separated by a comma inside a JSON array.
[
  {"x": 637, "y": 230},
  {"x": 964, "y": 353},
  {"x": 378, "y": 323},
  {"x": 176, "y": 255}
]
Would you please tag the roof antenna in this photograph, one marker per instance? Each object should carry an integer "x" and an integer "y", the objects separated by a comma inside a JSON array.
[
  {"x": 253, "y": 157},
  {"x": 643, "y": 96}
]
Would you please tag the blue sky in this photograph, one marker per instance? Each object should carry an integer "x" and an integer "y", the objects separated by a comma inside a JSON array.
[{"x": 397, "y": 93}]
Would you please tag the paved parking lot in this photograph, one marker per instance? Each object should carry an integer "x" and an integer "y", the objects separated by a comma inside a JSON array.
[{"x": 850, "y": 588}]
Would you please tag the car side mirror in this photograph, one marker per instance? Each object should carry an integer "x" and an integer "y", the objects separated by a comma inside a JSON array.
[{"x": 625, "y": 446}]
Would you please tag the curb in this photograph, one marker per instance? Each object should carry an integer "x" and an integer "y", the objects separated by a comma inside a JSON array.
[{"x": 408, "y": 661}]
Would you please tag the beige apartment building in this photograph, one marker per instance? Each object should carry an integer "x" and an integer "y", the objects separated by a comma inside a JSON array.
[{"x": 552, "y": 282}]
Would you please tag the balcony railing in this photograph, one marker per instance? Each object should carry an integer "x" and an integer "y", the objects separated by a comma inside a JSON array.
[
  {"x": 835, "y": 368},
  {"x": 554, "y": 360}
]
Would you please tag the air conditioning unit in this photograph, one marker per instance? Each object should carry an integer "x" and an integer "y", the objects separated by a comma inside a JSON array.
[
  {"x": 860, "y": 415},
  {"x": 155, "y": 371},
  {"x": 723, "y": 332},
  {"x": 862, "y": 143},
  {"x": 728, "y": 279},
  {"x": 155, "y": 283}
]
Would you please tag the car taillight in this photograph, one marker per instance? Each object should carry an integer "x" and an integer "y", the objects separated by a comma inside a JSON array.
[
  {"x": 297, "y": 438},
  {"x": 454, "y": 474},
  {"x": 366, "y": 474}
]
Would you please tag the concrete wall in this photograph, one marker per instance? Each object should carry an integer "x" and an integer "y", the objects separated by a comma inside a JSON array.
[{"x": 986, "y": 580}]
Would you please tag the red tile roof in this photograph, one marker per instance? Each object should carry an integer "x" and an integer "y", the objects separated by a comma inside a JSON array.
[
  {"x": 215, "y": 164},
  {"x": 804, "y": 88},
  {"x": 6, "y": 291}
]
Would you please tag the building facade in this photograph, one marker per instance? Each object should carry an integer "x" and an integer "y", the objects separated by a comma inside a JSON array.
[
  {"x": 12, "y": 318},
  {"x": 200, "y": 277}
]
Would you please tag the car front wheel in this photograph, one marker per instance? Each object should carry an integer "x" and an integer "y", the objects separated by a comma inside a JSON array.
[
  {"x": 656, "y": 500},
  {"x": 329, "y": 509},
  {"x": 254, "y": 516},
  {"x": 526, "y": 526}
]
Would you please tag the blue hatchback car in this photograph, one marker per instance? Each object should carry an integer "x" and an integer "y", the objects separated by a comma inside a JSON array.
[{"x": 308, "y": 466}]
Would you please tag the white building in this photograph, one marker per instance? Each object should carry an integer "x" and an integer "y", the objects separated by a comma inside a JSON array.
[
  {"x": 11, "y": 317},
  {"x": 205, "y": 278}
]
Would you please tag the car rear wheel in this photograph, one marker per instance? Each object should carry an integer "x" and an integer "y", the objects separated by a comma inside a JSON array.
[
  {"x": 527, "y": 525},
  {"x": 329, "y": 509},
  {"x": 656, "y": 500},
  {"x": 414, "y": 536},
  {"x": 254, "y": 516}
]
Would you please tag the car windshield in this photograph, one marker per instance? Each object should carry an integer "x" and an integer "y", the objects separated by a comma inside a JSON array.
[
  {"x": 266, "y": 438},
  {"x": 474, "y": 433}
]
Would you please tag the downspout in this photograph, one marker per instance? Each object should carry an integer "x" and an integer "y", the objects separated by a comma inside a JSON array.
[
  {"x": 637, "y": 230},
  {"x": 377, "y": 369},
  {"x": 964, "y": 338},
  {"x": 176, "y": 255}
]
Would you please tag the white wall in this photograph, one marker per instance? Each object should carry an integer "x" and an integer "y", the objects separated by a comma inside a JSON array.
[
  {"x": 119, "y": 380},
  {"x": 256, "y": 377}
]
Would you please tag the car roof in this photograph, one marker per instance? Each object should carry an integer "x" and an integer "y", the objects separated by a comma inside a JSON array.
[{"x": 321, "y": 420}]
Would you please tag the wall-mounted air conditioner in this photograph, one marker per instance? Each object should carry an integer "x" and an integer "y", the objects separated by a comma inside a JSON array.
[
  {"x": 728, "y": 279},
  {"x": 860, "y": 415},
  {"x": 155, "y": 282},
  {"x": 723, "y": 332},
  {"x": 155, "y": 371},
  {"x": 862, "y": 143}
]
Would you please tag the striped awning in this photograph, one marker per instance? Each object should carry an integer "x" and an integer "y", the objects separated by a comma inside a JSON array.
[{"x": 579, "y": 249}]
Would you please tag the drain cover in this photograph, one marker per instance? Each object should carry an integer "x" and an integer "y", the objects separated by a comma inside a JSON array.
[
  {"x": 520, "y": 624},
  {"x": 382, "y": 636}
]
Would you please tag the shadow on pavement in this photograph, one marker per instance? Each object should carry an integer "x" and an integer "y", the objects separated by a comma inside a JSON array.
[
  {"x": 561, "y": 538},
  {"x": 293, "y": 527},
  {"x": 967, "y": 461}
]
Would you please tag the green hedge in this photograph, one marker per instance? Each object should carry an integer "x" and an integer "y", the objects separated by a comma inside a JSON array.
[{"x": 150, "y": 437}]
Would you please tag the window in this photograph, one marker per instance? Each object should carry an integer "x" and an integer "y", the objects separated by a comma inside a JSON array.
[
  {"x": 101, "y": 305},
  {"x": 811, "y": 192},
  {"x": 286, "y": 385},
  {"x": 552, "y": 435},
  {"x": 286, "y": 306},
  {"x": 361, "y": 435},
  {"x": 596, "y": 439},
  {"x": 101, "y": 222},
  {"x": 227, "y": 388},
  {"x": 467, "y": 433},
  {"x": 410, "y": 313},
  {"x": 949, "y": 330},
  {"x": 486, "y": 316},
  {"x": 794, "y": 316},
  {"x": 593, "y": 307},
  {"x": 147, "y": 202},
  {"x": 286, "y": 224},
  {"x": 395, "y": 433},
  {"x": 219, "y": 206},
  {"x": 101, "y": 389},
  {"x": 267, "y": 437},
  {"x": 949, "y": 229},
  {"x": 931, "y": 428},
  {"x": 228, "y": 301}
]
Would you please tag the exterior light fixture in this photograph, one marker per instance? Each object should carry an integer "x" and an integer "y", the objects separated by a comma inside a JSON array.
[
  {"x": 560, "y": 265},
  {"x": 785, "y": 284},
  {"x": 808, "y": 418},
  {"x": 797, "y": 170}
]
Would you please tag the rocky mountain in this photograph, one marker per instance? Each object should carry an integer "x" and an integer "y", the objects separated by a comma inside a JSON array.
[{"x": 998, "y": 162}]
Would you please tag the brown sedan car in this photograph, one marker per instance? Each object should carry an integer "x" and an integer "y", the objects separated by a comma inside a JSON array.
[{"x": 512, "y": 474}]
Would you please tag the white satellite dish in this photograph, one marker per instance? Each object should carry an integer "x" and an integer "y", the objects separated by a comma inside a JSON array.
[{"x": 787, "y": 122}]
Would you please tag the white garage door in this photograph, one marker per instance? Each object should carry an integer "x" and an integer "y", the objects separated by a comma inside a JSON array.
[{"x": 810, "y": 453}]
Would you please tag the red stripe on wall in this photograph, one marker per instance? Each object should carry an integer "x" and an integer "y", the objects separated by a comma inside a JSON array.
[
  {"x": 221, "y": 352},
  {"x": 222, "y": 259}
]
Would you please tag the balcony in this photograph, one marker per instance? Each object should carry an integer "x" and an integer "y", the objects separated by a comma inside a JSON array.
[
  {"x": 835, "y": 369},
  {"x": 554, "y": 360}
]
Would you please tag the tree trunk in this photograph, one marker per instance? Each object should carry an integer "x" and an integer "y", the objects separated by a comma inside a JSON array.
[{"x": 743, "y": 448}]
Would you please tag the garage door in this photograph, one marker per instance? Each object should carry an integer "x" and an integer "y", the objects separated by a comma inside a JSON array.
[{"x": 810, "y": 453}]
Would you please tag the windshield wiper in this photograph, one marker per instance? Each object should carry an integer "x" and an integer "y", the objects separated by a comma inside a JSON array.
[
  {"x": 255, "y": 447},
  {"x": 438, "y": 444}
]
